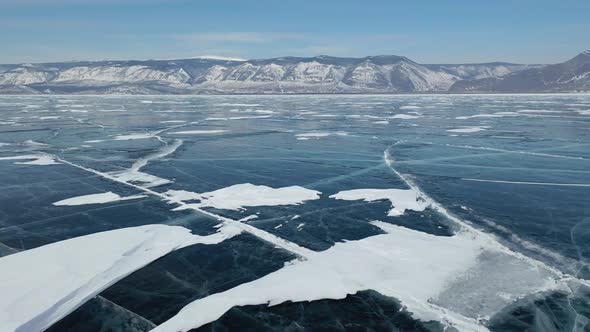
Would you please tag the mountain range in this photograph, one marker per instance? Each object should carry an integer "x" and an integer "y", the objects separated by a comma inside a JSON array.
[{"x": 289, "y": 75}]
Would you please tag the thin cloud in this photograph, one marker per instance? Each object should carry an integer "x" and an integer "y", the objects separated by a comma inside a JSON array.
[{"x": 237, "y": 37}]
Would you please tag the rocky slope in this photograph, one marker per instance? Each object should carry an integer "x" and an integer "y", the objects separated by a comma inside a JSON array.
[{"x": 570, "y": 76}]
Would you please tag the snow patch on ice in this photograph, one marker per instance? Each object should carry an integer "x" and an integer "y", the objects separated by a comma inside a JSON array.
[
  {"x": 248, "y": 218},
  {"x": 33, "y": 143},
  {"x": 467, "y": 130},
  {"x": 34, "y": 159},
  {"x": 492, "y": 115},
  {"x": 237, "y": 118},
  {"x": 101, "y": 198},
  {"x": 133, "y": 136},
  {"x": 316, "y": 135},
  {"x": 42, "y": 285},
  {"x": 140, "y": 178},
  {"x": 239, "y": 104},
  {"x": 405, "y": 116},
  {"x": 412, "y": 266},
  {"x": 199, "y": 132},
  {"x": 401, "y": 199},
  {"x": 238, "y": 196}
]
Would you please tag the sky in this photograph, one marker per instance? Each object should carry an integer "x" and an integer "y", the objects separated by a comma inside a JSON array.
[{"x": 436, "y": 31}]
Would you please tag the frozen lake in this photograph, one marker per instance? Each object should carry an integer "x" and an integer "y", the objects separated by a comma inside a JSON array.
[{"x": 386, "y": 212}]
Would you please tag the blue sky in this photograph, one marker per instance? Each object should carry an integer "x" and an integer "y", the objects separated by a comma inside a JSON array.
[{"x": 524, "y": 31}]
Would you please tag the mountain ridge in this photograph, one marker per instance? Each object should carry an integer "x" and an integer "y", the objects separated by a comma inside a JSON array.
[{"x": 291, "y": 75}]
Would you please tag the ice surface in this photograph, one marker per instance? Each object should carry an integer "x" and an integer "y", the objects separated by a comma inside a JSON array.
[
  {"x": 42, "y": 285},
  {"x": 524, "y": 181}
]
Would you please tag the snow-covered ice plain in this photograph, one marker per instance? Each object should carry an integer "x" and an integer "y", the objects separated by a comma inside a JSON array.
[{"x": 410, "y": 213}]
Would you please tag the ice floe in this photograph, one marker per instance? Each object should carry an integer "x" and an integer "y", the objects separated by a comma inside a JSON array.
[
  {"x": 401, "y": 199},
  {"x": 243, "y": 195},
  {"x": 101, "y": 198},
  {"x": 42, "y": 285}
]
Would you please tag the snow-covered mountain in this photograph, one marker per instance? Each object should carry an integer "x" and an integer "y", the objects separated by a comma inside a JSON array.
[
  {"x": 570, "y": 76},
  {"x": 216, "y": 75}
]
